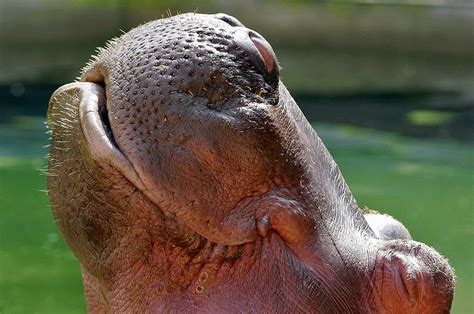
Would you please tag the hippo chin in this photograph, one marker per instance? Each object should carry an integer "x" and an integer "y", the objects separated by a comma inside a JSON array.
[{"x": 184, "y": 177}]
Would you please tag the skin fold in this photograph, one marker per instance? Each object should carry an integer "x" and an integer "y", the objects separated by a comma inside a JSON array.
[{"x": 184, "y": 178}]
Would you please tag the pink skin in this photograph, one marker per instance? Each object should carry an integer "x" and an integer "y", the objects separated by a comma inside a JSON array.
[{"x": 184, "y": 177}]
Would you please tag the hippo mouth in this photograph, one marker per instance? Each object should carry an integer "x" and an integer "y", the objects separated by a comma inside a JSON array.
[{"x": 95, "y": 126}]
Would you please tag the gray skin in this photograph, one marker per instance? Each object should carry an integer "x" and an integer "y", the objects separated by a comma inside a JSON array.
[
  {"x": 184, "y": 177},
  {"x": 386, "y": 227}
]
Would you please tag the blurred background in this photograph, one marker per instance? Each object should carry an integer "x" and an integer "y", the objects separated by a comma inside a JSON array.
[{"x": 389, "y": 86}]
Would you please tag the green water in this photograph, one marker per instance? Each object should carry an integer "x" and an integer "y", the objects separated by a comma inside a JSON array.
[{"x": 427, "y": 184}]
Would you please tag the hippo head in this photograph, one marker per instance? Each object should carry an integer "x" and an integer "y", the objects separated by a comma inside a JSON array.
[{"x": 183, "y": 176}]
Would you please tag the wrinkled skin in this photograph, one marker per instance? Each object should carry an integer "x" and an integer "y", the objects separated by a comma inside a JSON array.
[{"x": 184, "y": 177}]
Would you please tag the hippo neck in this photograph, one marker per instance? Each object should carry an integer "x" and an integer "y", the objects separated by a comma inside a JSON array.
[
  {"x": 220, "y": 285},
  {"x": 323, "y": 184},
  {"x": 339, "y": 223}
]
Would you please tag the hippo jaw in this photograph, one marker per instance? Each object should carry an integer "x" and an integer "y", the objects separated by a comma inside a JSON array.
[{"x": 190, "y": 182}]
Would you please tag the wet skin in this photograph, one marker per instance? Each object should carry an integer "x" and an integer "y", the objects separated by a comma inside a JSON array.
[{"x": 184, "y": 177}]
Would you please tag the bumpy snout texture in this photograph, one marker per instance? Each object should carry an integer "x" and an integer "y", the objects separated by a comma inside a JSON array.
[{"x": 184, "y": 177}]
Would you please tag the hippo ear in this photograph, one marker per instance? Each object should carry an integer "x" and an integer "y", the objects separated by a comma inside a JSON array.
[
  {"x": 81, "y": 108},
  {"x": 386, "y": 227}
]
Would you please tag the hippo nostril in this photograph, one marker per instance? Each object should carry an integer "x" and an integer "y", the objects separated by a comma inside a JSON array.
[
  {"x": 265, "y": 50},
  {"x": 259, "y": 52},
  {"x": 255, "y": 47},
  {"x": 232, "y": 21}
]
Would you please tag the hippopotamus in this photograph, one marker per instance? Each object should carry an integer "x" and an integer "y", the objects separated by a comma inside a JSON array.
[{"x": 184, "y": 178}]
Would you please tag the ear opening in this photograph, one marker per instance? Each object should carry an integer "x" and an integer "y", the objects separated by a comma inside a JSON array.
[{"x": 412, "y": 277}]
